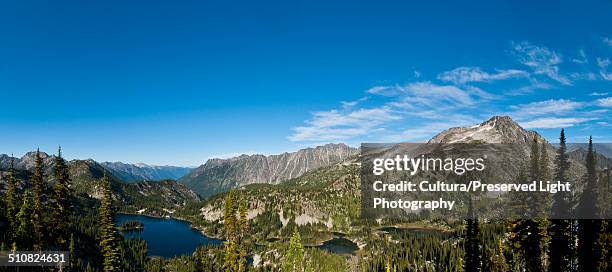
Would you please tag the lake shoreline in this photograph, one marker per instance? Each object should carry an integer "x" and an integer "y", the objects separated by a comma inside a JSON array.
[
  {"x": 318, "y": 244},
  {"x": 175, "y": 218},
  {"x": 167, "y": 237}
]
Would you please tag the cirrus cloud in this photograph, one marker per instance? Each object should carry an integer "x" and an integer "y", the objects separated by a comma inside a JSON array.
[
  {"x": 604, "y": 102},
  {"x": 464, "y": 75},
  {"x": 547, "y": 107},
  {"x": 541, "y": 60},
  {"x": 554, "y": 122}
]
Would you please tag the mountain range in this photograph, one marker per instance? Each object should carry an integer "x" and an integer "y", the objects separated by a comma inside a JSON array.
[
  {"x": 218, "y": 175},
  {"x": 123, "y": 171},
  {"x": 156, "y": 197},
  {"x": 141, "y": 172}
]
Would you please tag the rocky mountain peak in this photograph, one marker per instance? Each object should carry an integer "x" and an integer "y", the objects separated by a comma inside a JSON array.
[
  {"x": 499, "y": 121},
  {"x": 498, "y": 129}
]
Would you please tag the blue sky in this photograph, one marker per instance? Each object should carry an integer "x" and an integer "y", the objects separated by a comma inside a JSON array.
[{"x": 176, "y": 83}]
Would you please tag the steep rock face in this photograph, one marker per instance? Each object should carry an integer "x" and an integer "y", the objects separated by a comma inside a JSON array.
[
  {"x": 218, "y": 175},
  {"x": 141, "y": 172},
  {"x": 498, "y": 129}
]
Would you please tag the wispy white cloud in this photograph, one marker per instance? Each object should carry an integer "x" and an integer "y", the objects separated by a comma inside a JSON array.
[
  {"x": 530, "y": 88},
  {"x": 541, "y": 60},
  {"x": 462, "y": 75},
  {"x": 598, "y": 94},
  {"x": 607, "y": 41},
  {"x": 583, "y": 76},
  {"x": 604, "y": 102},
  {"x": 554, "y": 122},
  {"x": 547, "y": 107},
  {"x": 353, "y": 103},
  {"x": 342, "y": 125},
  {"x": 428, "y": 94},
  {"x": 603, "y": 68},
  {"x": 582, "y": 57},
  {"x": 384, "y": 90}
]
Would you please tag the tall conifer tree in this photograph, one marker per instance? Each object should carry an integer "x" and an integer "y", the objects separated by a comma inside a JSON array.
[
  {"x": 243, "y": 226},
  {"x": 11, "y": 199},
  {"x": 37, "y": 208},
  {"x": 23, "y": 233},
  {"x": 108, "y": 231},
  {"x": 294, "y": 259},
  {"x": 62, "y": 203},
  {"x": 561, "y": 244},
  {"x": 532, "y": 232},
  {"x": 588, "y": 228},
  {"x": 231, "y": 262}
]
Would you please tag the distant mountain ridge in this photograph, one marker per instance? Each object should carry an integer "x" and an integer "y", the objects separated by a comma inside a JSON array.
[
  {"x": 123, "y": 171},
  {"x": 140, "y": 171},
  {"x": 157, "y": 198},
  {"x": 218, "y": 175}
]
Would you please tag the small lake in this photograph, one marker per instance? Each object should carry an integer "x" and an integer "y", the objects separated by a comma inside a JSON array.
[
  {"x": 166, "y": 237},
  {"x": 339, "y": 245}
]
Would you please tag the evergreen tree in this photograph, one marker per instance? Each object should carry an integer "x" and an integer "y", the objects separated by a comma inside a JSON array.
[
  {"x": 472, "y": 242},
  {"x": 108, "y": 232},
  {"x": 588, "y": 228},
  {"x": 531, "y": 233},
  {"x": 37, "y": 208},
  {"x": 11, "y": 199},
  {"x": 23, "y": 234},
  {"x": 62, "y": 203},
  {"x": 294, "y": 259},
  {"x": 587, "y": 206},
  {"x": 243, "y": 227},
  {"x": 560, "y": 229},
  {"x": 231, "y": 263}
]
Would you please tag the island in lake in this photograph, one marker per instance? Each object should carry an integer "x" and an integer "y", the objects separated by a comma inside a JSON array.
[{"x": 132, "y": 225}]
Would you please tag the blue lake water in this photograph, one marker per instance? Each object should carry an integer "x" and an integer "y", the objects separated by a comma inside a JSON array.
[
  {"x": 339, "y": 245},
  {"x": 166, "y": 237}
]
